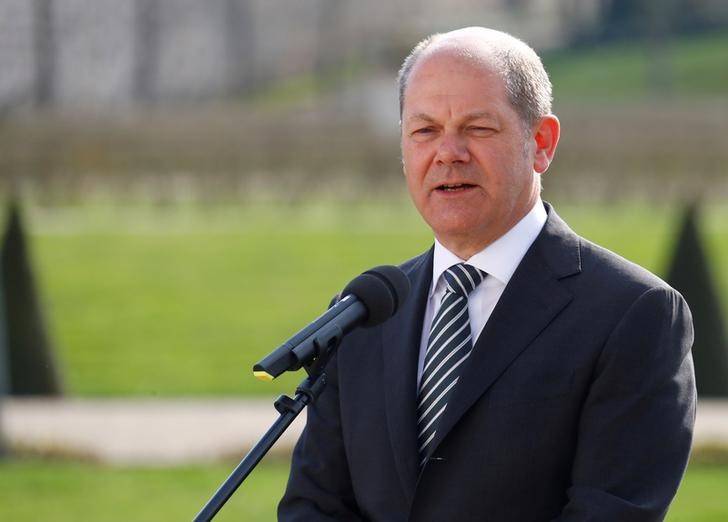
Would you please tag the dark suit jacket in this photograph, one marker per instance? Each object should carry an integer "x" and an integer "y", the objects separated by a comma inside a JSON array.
[{"x": 577, "y": 403}]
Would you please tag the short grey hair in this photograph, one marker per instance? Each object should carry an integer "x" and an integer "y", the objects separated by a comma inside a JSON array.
[{"x": 526, "y": 82}]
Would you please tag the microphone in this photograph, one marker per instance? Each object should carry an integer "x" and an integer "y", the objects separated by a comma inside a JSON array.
[{"x": 368, "y": 300}]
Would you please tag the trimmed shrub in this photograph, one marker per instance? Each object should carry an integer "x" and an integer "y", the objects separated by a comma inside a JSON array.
[
  {"x": 31, "y": 368},
  {"x": 690, "y": 274}
]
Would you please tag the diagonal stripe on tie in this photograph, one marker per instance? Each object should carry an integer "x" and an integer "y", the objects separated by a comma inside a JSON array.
[{"x": 449, "y": 345}]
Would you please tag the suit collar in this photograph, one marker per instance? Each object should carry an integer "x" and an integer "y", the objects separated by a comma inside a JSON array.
[{"x": 558, "y": 246}]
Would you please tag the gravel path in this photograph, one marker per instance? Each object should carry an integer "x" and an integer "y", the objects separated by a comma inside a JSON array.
[{"x": 166, "y": 431}]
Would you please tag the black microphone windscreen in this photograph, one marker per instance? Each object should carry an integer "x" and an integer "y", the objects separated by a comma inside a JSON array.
[{"x": 382, "y": 290}]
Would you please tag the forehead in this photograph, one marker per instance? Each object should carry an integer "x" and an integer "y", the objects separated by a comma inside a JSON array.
[{"x": 454, "y": 76}]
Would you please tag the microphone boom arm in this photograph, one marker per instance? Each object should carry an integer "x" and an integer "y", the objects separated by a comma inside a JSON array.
[
  {"x": 370, "y": 298},
  {"x": 325, "y": 343}
]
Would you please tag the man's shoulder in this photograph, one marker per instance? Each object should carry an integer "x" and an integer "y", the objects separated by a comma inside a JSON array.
[
  {"x": 600, "y": 267},
  {"x": 607, "y": 264}
]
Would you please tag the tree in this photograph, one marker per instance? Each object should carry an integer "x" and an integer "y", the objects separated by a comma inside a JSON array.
[
  {"x": 30, "y": 362},
  {"x": 690, "y": 274},
  {"x": 3, "y": 369}
]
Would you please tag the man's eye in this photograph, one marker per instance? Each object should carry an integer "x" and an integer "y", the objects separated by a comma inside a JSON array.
[
  {"x": 481, "y": 131},
  {"x": 423, "y": 133}
]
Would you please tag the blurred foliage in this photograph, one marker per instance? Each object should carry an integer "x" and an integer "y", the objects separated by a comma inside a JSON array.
[
  {"x": 637, "y": 19},
  {"x": 295, "y": 140},
  {"x": 710, "y": 455}
]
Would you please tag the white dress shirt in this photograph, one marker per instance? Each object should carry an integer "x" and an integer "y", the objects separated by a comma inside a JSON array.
[{"x": 499, "y": 260}]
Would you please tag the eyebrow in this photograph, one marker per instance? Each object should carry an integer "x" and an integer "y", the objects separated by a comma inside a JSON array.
[
  {"x": 421, "y": 116},
  {"x": 481, "y": 115},
  {"x": 470, "y": 117}
]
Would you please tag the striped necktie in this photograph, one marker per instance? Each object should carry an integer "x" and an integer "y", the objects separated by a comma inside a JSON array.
[{"x": 449, "y": 344}]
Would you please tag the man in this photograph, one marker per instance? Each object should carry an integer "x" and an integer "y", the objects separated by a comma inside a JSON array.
[{"x": 541, "y": 378}]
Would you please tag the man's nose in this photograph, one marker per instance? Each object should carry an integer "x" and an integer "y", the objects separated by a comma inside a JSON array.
[{"x": 452, "y": 149}]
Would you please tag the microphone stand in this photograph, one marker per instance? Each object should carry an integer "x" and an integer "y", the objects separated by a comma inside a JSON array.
[{"x": 306, "y": 393}]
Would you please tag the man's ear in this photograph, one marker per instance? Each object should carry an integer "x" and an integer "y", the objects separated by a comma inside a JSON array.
[{"x": 546, "y": 137}]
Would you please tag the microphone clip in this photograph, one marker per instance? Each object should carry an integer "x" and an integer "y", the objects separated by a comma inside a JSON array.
[{"x": 327, "y": 339}]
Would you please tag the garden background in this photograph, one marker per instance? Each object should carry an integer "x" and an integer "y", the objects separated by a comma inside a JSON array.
[{"x": 192, "y": 190}]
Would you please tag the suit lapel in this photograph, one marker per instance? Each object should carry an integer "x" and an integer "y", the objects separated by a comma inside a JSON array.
[
  {"x": 532, "y": 299},
  {"x": 401, "y": 341}
]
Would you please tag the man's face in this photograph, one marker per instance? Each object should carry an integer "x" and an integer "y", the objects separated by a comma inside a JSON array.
[{"x": 468, "y": 160}]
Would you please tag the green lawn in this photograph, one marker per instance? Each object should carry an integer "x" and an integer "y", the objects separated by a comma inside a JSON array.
[
  {"x": 33, "y": 490},
  {"x": 688, "y": 66},
  {"x": 189, "y": 311},
  {"x": 702, "y": 496},
  {"x": 169, "y": 303},
  {"x": 69, "y": 491}
]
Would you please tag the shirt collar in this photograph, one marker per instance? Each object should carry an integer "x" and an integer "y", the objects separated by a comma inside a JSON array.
[{"x": 501, "y": 258}]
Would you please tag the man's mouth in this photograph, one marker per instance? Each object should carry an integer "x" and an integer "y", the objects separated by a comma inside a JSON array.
[{"x": 454, "y": 187}]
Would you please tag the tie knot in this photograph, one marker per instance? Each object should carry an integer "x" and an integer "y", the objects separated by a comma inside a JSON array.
[{"x": 462, "y": 279}]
